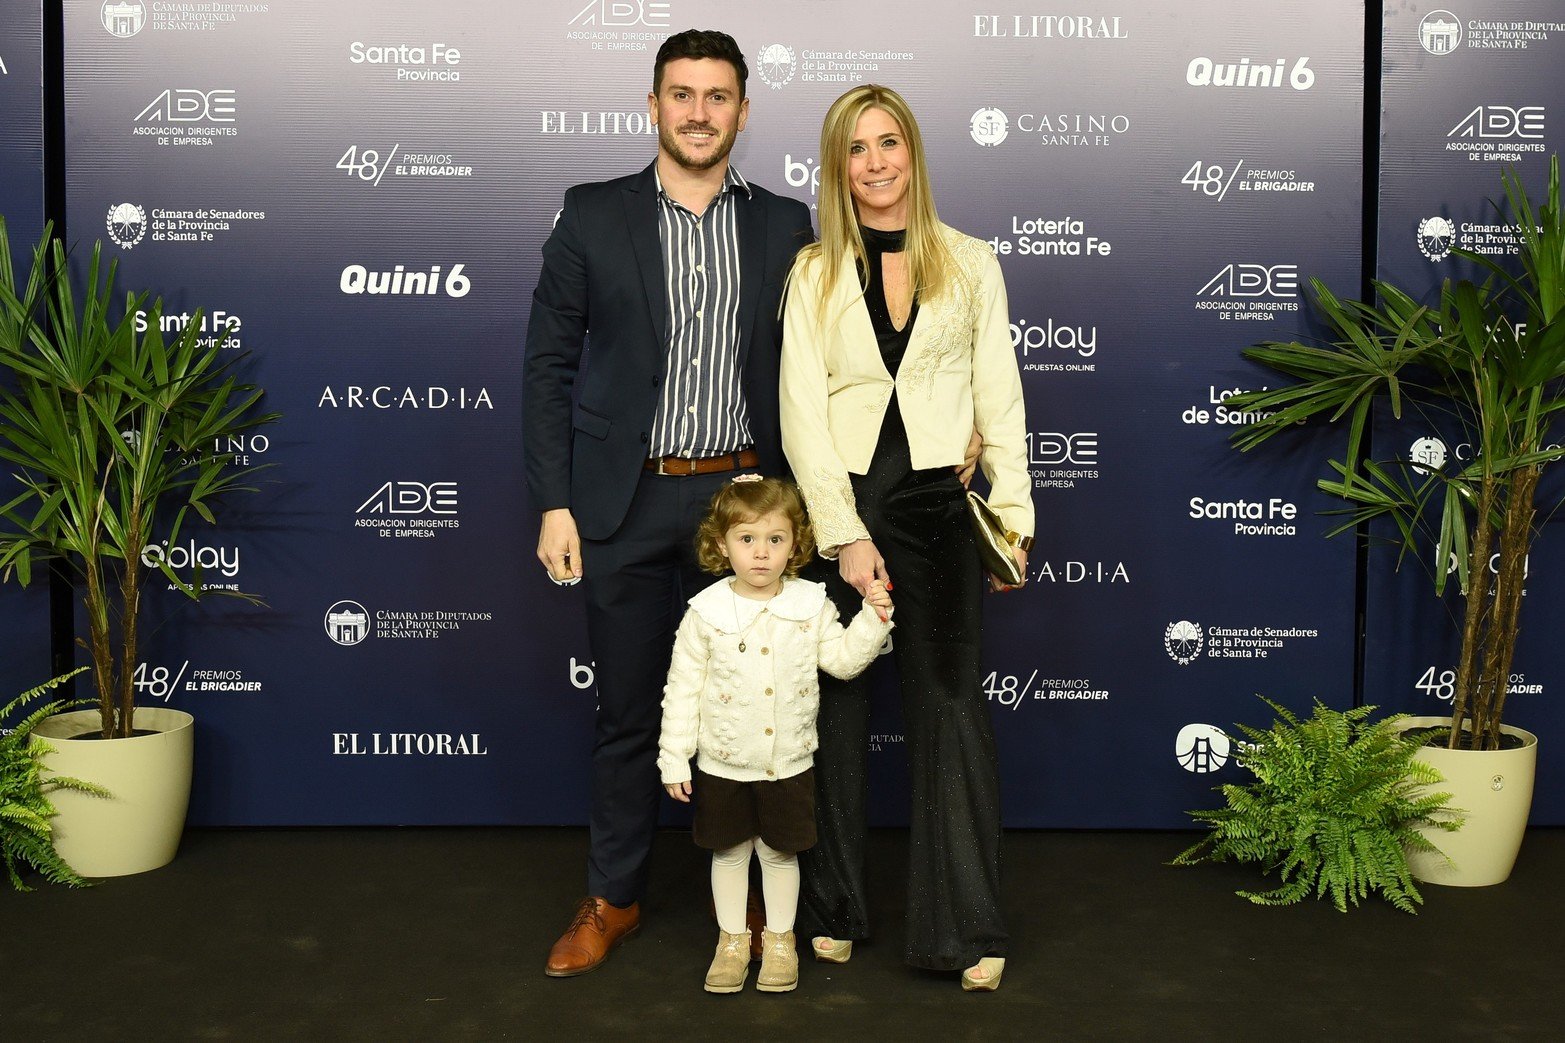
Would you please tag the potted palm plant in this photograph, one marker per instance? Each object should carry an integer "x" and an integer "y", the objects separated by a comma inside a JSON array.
[
  {"x": 1490, "y": 358},
  {"x": 113, "y": 436}
]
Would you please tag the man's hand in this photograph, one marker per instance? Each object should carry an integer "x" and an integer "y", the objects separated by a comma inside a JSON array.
[
  {"x": 969, "y": 465},
  {"x": 680, "y": 791},
  {"x": 559, "y": 547},
  {"x": 860, "y": 565}
]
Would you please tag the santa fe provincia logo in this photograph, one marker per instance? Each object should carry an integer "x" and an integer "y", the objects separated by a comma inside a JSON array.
[
  {"x": 1183, "y": 640},
  {"x": 775, "y": 65},
  {"x": 127, "y": 224}
]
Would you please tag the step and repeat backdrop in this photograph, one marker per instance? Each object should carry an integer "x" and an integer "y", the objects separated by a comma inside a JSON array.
[
  {"x": 358, "y": 192},
  {"x": 1467, "y": 92},
  {"x": 24, "y": 637}
]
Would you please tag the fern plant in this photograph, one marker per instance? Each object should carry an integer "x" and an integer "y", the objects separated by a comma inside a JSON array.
[
  {"x": 26, "y": 835},
  {"x": 1335, "y": 804}
]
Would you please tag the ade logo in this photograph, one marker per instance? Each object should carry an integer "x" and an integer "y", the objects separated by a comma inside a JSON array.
[{"x": 618, "y": 13}]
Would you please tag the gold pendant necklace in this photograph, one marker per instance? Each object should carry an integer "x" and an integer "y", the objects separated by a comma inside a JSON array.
[{"x": 744, "y": 632}]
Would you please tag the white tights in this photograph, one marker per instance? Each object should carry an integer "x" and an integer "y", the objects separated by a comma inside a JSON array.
[{"x": 731, "y": 886}]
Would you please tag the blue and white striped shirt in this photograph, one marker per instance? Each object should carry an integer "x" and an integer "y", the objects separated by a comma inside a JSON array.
[{"x": 701, "y": 410}]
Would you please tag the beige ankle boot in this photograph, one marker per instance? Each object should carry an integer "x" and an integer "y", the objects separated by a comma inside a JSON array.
[
  {"x": 731, "y": 963},
  {"x": 779, "y": 962}
]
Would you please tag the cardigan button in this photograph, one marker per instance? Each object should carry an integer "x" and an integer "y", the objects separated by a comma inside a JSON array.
[
  {"x": 766, "y": 651},
  {"x": 768, "y": 691},
  {"x": 768, "y": 731},
  {"x": 770, "y": 773}
]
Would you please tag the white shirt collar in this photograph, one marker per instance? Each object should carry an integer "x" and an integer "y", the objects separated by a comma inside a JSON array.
[{"x": 799, "y": 600}]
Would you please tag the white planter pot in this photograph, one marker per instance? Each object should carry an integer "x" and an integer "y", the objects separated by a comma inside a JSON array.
[
  {"x": 138, "y": 826},
  {"x": 1494, "y": 790}
]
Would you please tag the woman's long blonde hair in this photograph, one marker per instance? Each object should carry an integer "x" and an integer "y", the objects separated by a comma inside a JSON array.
[{"x": 928, "y": 260}]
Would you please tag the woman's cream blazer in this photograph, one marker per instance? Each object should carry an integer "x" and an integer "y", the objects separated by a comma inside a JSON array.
[{"x": 959, "y": 373}]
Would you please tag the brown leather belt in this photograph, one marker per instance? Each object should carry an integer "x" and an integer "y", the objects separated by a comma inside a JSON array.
[{"x": 683, "y": 466}]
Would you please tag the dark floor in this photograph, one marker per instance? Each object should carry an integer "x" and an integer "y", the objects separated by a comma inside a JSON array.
[{"x": 436, "y": 934}]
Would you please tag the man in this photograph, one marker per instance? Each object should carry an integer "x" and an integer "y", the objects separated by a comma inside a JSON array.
[{"x": 677, "y": 271}]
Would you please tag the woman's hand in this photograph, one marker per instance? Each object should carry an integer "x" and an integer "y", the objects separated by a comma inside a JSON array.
[
  {"x": 861, "y": 565},
  {"x": 969, "y": 465},
  {"x": 1021, "y": 560},
  {"x": 680, "y": 791}
]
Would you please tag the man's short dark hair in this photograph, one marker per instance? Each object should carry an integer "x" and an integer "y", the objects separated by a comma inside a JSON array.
[{"x": 700, "y": 43}]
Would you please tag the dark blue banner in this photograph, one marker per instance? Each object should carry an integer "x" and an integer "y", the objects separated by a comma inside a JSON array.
[
  {"x": 359, "y": 193},
  {"x": 1467, "y": 93},
  {"x": 24, "y": 639}
]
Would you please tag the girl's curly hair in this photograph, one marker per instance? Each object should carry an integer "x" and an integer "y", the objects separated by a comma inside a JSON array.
[{"x": 739, "y": 502}]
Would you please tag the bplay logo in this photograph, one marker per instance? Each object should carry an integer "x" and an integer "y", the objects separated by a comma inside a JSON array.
[
  {"x": 622, "y": 14},
  {"x": 1436, "y": 236},
  {"x": 1440, "y": 32},
  {"x": 989, "y": 127},
  {"x": 347, "y": 622},
  {"x": 799, "y": 174},
  {"x": 192, "y": 556},
  {"x": 124, "y": 18},
  {"x": 1183, "y": 641},
  {"x": 1202, "y": 748},
  {"x": 775, "y": 65},
  {"x": 1050, "y": 335},
  {"x": 127, "y": 224}
]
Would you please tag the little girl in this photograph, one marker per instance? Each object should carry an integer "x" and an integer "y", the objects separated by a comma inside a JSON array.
[{"x": 742, "y": 696}]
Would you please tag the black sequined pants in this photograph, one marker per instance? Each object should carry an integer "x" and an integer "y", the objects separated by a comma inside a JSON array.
[{"x": 919, "y": 524}]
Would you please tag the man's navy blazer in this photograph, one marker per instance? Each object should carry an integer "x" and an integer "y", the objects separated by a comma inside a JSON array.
[{"x": 603, "y": 272}]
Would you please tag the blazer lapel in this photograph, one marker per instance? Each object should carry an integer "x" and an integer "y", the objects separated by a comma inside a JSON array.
[
  {"x": 752, "y": 266},
  {"x": 641, "y": 215}
]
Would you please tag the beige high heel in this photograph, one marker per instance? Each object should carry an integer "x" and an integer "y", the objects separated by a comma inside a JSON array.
[
  {"x": 833, "y": 951},
  {"x": 993, "y": 968}
]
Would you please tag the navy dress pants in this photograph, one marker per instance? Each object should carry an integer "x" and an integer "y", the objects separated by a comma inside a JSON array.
[{"x": 637, "y": 582}]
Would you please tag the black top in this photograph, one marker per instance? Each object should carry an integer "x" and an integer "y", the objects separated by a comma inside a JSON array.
[{"x": 893, "y": 342}]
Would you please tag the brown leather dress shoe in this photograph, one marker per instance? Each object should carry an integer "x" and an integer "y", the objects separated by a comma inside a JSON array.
[{"x": 586, "y": 943}]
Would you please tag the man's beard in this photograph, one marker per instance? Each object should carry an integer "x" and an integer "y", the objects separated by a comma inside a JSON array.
[{"x": 671, "y": 144}]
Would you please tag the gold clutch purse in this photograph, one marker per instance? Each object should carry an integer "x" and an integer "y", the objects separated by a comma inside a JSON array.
[{"x": 995, "y": 541}]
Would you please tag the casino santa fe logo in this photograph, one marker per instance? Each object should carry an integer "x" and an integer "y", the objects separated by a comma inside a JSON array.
[{"x": 989, "y": 127}]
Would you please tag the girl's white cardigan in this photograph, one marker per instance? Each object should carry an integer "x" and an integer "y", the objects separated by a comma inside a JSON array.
[{"x": 750, "y": 715}]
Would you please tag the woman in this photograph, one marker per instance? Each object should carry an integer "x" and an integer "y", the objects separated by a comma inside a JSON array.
[{"x": 896, "y": 346}]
